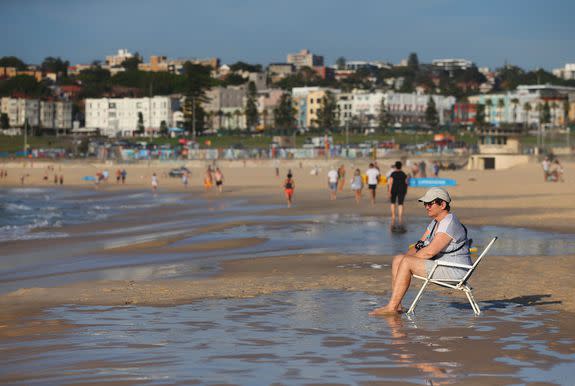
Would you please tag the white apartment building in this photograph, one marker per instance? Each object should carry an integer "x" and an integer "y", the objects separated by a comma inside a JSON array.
[
  {"x": 19, "y": 110},
  {"x": 409, "y": 109},
  {"x": 56, "y": 115},
  {"x": 119, "y": 116},
  {"x": 119, "y": 58},
  {"x": 567, "y": 72},
  {"x": 41, "y": 114},
  {"x": 452, "y": 64}
]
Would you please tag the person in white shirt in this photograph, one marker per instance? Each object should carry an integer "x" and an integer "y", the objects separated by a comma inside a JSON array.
[
  {"x": 332, "y": 179},
  {"x": 373, "y": 176}
]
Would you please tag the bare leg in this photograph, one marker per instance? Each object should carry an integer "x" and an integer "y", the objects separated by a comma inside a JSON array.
[
  {"x": 409, "y": 265},
  {"x": 400, "y": 214},
  {"x": 392, "y": 208}
]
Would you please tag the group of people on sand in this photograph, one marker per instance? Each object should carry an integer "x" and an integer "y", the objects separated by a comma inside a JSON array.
[
  {"x": 552, "y": 170},
  {"x": 212, "y": 177}
]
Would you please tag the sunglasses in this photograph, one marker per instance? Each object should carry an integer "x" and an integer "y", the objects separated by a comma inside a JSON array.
[{"x": 429, "y": 204}]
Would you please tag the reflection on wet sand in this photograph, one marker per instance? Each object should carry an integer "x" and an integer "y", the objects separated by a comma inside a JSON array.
[{"x": 292, "y": 338}]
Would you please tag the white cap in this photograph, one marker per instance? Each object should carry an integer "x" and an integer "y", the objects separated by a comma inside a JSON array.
[{"x": 434, "y": 193}]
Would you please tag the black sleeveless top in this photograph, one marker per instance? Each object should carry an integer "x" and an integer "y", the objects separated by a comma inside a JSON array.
[{"x": 399, "y": 181}]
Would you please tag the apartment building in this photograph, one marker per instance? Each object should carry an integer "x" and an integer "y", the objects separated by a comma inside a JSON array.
[
  {"x": 525, "y": 104},
  {"x": 56, "y": 115},
  {"x": 19, "y": 110},
  {"x": 409, "y": 109},
  {"x": 305, "y": 58},
  {"x": 567, "y": 72},
  {"x": 119, "y": 116},
  {"x": 52, "y": 115},
  {"x": 117, "y": 60}
]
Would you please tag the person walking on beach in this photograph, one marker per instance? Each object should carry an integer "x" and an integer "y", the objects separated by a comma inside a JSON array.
[
  {"x": 546, "y": 165},
  {"x": 556, "y": 171},
  {"x": 444, "y": 239},
  {"x": 124, "y": 174},
  {"x": 397, "y": 189},
  {"x": 357, "y": 185},
  {"x": 185, "y": 179},
  {"x": 373, "y": 177},
  {"x": 289, "y": 186},
  {"x": 341, "y": 177},
  {"x": 208, "y": 179},
  {"x": 118, "y": 176},
  {"x": 435, "y": 169},
  {"x": 219, "y": 177},
  {"x": 332, "y": 178},
  {"x": 154, "y": 183}
]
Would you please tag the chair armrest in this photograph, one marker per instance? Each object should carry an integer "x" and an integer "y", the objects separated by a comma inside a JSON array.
[{"x": 455, "y": 265}]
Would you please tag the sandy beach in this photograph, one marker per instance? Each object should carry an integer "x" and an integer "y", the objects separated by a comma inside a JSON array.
[{"x": 517, "y": 199}]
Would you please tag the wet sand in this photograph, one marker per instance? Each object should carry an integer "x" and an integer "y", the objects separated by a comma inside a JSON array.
[{"x": 514, "y": 198}]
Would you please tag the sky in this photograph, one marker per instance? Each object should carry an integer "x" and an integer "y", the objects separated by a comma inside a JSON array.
[{"x": 528, "y": 33}]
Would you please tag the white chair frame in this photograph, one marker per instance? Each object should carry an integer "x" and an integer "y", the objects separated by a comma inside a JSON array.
[{"x": 459, "y": 284}]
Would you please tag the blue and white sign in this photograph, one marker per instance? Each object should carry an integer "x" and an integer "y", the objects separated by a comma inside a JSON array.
[{"x": 431, "y": 182}]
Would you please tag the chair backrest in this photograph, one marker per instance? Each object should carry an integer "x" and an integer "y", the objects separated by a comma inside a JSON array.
[{"x": 466, "y": 277}]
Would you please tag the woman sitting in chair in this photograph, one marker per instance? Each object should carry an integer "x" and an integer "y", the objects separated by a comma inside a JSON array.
[{"x": 445, "y": 239}]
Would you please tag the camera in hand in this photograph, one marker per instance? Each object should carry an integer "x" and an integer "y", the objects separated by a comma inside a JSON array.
[{"x": 420, "y": 244}]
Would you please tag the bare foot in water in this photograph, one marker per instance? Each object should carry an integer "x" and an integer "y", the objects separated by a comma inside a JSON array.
[{"x": 387, "y": 311}]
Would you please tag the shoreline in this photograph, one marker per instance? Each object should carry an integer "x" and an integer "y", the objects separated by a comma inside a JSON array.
[{"x": 512, "y": 198}]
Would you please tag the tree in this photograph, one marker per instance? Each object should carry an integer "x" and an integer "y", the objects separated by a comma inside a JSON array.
[
  {"x": 284, "y": 114},
  {"x": 515, "y": 102},
  {"x": 242, "y": 66},
  {"x": 131, "y": 64},
  {"x": 12, "y": 61},
  {"x": 431, "y": 115},
  {"x": 566, "y": 109},
  {"x": 326, "y": 117},
  {"x": 489, "y": 106},
  {"x": 384, "y": 117},
  {"x": 197, "y": 80},
  {"x": 140, "y": 124},
  {"x": 56, "y": 65},
  {"x": 480, "y": 115},
  {"x": 527, "y": 107},
  {"x": 251, "y": 107},
  {"x": 545, "y": 113},
  {"x": 500, "y": 106},
  {"x": 340, "y": 63},
  {"x": 4, "y": 121},
  {"x": 23, "y": 84},
  {"x": 413, "y": 61},
  {"x": 163, "y": 129}
]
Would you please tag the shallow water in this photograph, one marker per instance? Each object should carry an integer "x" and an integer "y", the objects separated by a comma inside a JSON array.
[
  {"x": 294, "y": 338},
  {"x": 85, "y": 254}
]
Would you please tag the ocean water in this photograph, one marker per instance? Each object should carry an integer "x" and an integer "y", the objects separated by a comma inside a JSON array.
[{"x": 39, "y": 213}]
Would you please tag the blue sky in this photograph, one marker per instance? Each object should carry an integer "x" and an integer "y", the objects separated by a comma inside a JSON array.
[{"x": 527, "y": 33}]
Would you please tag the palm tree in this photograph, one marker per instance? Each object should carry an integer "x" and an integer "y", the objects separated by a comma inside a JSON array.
[
  {"x": 500, "y": 106},
  {"x": 527, "y": 108},
  {"x": 237, "y": 114},
  {"x": 554, "y": 107},
  {"x": 515, "y": 102},
  {"x": 489, "y": 105},
  {"x": 566, "y": 108},
  {"x": 220, "y": 114}
]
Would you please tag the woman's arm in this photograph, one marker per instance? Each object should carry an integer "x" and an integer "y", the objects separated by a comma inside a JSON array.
[{"x": 439, "y": 243}]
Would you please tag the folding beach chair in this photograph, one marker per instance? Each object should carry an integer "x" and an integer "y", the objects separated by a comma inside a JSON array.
[{"x": 460, "y": 285}]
